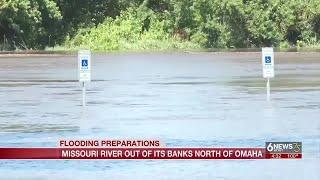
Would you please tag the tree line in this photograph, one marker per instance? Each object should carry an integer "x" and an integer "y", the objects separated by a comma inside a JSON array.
[{"x": 154, "y": 24}]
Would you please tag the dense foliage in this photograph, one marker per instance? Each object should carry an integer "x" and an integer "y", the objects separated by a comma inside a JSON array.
[{"x": 158, "y": 24}]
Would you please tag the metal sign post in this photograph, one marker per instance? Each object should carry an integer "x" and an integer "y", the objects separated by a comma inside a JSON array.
[
  {"x": 268, "y": 90},
  {"x": 84, "y": 64},
  {"x": 83, "y": 94},
  {"x": 268, "y": 67}
]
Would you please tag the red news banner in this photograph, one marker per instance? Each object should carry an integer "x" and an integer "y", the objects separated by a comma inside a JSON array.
[{"x": 145, "y": 149}]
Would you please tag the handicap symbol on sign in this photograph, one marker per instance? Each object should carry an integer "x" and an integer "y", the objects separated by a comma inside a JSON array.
[
  {"x": 267, "y": 59},
  {"x": 84, "y": 63}
]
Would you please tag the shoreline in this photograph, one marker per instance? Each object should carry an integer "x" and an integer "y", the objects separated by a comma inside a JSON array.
[{"x": 213, "y": 52}]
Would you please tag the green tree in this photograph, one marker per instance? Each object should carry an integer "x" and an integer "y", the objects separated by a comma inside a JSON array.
[{"x": 26, "y": 23}]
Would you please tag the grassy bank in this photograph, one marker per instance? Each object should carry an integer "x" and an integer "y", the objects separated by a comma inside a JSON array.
[
  {"x": 161, "y": 25},
  {"x": 127, "y": 33},
  {"x": 139, "y": 29}
]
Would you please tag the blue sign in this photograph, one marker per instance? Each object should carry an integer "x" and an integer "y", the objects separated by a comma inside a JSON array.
[
  {"x": 84, "y": 63},
  {"x": 267, "y": 59}
]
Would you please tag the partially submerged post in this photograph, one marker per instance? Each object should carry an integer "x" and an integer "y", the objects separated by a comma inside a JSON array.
[
  {"x": 84, "y": 64},
  {"x": 268, "y": 66}
]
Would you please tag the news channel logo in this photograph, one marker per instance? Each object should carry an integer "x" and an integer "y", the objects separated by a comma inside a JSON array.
[{"x": 284, "y": 147}]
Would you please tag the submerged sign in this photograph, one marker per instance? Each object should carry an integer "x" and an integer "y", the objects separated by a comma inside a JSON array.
[
  {"x": 268, "y": 62},
  {"x": 84, "y": 63}
]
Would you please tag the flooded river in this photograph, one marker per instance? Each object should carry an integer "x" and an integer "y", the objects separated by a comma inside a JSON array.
[{"x": 183, "y": 99}]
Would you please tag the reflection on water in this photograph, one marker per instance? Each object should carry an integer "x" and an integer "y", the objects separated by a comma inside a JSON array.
[
  {"x": 35, "y": 128},
  {"x": 201, "y": 99}
]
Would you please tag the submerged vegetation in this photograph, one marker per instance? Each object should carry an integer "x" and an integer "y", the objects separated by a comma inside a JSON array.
[{"x": 158, "y": 24}]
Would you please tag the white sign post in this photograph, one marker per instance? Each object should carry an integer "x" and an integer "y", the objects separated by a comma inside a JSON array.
[
  {"x": 84, "y": 64},
  {"x": 268, "y": 66}
]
